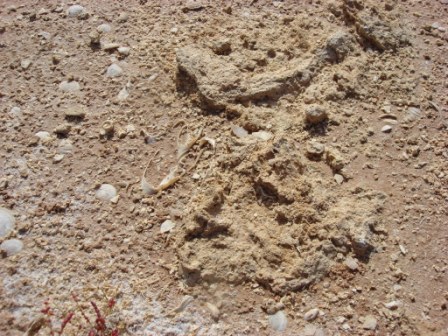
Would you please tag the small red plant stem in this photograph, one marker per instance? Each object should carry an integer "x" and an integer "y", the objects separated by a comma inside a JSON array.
[
  {"x": 100, "y": 321},
  {"x": 66, "y": 321},
  {"x": 80, "y": 309}
]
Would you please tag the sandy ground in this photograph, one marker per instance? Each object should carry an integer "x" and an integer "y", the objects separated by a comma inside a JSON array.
[{"x": 224, "y": 168}]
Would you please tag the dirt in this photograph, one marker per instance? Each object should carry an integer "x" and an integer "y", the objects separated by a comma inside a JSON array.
[{"x": 296, "y": 155}]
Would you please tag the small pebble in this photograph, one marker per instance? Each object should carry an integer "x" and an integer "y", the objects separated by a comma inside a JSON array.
[
  {"x": 106, "y": 192},
  {"x": 386, "y": 129},
  {"x": 278, "y": 321},
  {"x": 58, "y": 158},
  {"x": 124, "y": 51},
  {"x": 338, "y": 178},
  {"x": 76, "y": 11},
  {"x": 392, "y": 305},
  {"x": 7, "y": 222},
  {"x": 25, "y": 64},
  {"x": 315, "y": 114},
  {"x": 123, "y": 17},
  {"x": 370, "y": 323},
  {"x": 43, "y": 136},
  {"x": 71, "y": 86},
  {"x": 311, "y": 314},
  {"x": 104, "y": 28},
  {"x": 114, "y": 71},
  {"x": 351, "y": 263},
  {"x": 167, "y": 226},
  {"x": 11, "y": 246}
]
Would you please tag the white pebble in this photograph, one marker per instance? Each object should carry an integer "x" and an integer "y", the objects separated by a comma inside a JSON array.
[
  {"x": 114, "y": 70},
  {"x": 6, "y": 222},
  {"x": 393, "y": 305},
  {"x": 69, "y": 86},
  {"x": 386, "y": 129},
  {"x": 106, "y": 192},
  {"x": 167, "y": 226},
  {"x": 124, "y": 51},
  {"x": 311, "y": 314},
  {"x": 75, "y": 10},
  {"x": 11, "y": 246},
  {"x": 278, "y": 321},
  {"x": 104, "y": 28}
]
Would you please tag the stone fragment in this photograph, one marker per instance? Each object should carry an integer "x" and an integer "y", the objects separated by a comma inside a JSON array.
[
  {"x": 104, "y": 28},
  {"x": 278, "y": 321},
  {"x": 69, "y": 86},
  {"x": 311, "y": 314},
  {"x": 114, "y": 70},
  {"x": 351, "y": 263},
  {"x": 386, "y": 129},
  {"x": 370, "y": 323},
  {"x": 315, "y": 114},
  {"x": 77, "y": 11},
  {"x": 11, "y": 246}
]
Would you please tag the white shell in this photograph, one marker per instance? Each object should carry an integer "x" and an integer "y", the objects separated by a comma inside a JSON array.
[
  {"x": 278, "y": 321},
  {"x": 167, "y": 226},
  {"x": 11, "y": 246},
  {"x": 106, "y": 192},
  {"x": 6, "y": 222}
]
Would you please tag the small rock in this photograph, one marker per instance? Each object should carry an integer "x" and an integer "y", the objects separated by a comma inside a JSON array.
[
  {"x": 278, "y": 321},
  {"x": 77, "y": 11},
  {"x": 106, "y": 192},
  {"x": 63, "y": 129},
  {"x": 351, "y": 263},
  {"x": 311, "y": 314},
  {"x": 370, "y": 323},
  {"x": 312, "y": 330},
  {"x": 338, "y": 178},
  {"x": 69, "y": 86},
  {"x": 94, "y": 37},
  {"x": 239, "y": 131},
  {"x": 222, "y": 47},
  {"x": 124, "y": 51},
  {"x": 110, "y": 46},
  {"x": 193, "y": 5},
  {"x": 393, "y": 305},
  {"x": 315, "y": 114},
  {"x": 11, "y": 246},
  {"x": 114, "y": 71},
  {"x": 44, "y": 136},
  {"x": 7, "y": 222},
  {"x": 16, "y": 112},
  {"x": 75, "y": 111},
  {"x": 123, "y": 94},
  {"x": 167, "y": 226},
  {"x": 123, "y": 17},
  {"x": 25, "y": 64},
  {"x": 65, "y": 147},
  {"x": 214, "y": 311},
  {"x": 386, "y": 129},
  {"x": 262, "y": 135},
  {"x": 104, "y": 28},
  {"x": 58, "y": 158},
  {"x": 314, "y": 149}
]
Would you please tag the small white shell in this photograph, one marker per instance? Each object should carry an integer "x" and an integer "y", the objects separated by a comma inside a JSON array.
[
  {"x": 6, "y": 222},
  {"x": 167, "y": 226},
  {"x": 11, "y": 246},
  {"x": 106, "y": 192},
  {"x": 278, "y": 321}
]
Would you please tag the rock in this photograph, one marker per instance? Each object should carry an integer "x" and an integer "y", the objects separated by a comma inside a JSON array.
[
  {"x": 351, "y": 263},
  {"x": 311, "y": 314},
  {"x": 123, "y": 94},
  {"x": 278, "y": 321},
  {"x": 11, "y": 246},
  {"x": 338, "y": 47},
  {"x": 338, "y": 178},
  {"x": 386, "y": 129},
  {"x": 106, "y": 192},
  {"x": 239, "y": 131},
  {"x": 193, "y": 5},
  {"x": 65, "y": 146},
  {"x": 104, "y": 28},
  {"x": 16, "y": 112},
  {"x": 69, "y": 86},
  {"x": 77, "y": 11},
  {"x": 222, "y": 47},
  {"x": 393, "y": 305},
  {"x": 123, "y": 17},
  {"x": 7, "y": 222},
  {"x": 114, "y": 71},
  {"x": 262, "y": 135},
  {"x": 334, "y": 159},
  {"x": 58, "y": 158},
  {"x": 95, "y": 38},
  {"x": 75, "y": 111},
  {"x": 124, "y": 51},
  {"x": 370, "y": 323},
  {"x": 167, "y": 226},
  {"x": 312, "y": 330},
  {"x": 314, "y": 149},
  {"x": 315, "y": 114},
  {"x": 25, "y": 64},
  {"x": 214, "y": 311},
  {"x": 63, "y": 129},
  {"x": 44, "y": 136},
  {"x": 110, "y": 46}
]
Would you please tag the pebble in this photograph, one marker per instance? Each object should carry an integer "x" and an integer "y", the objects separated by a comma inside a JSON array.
[
  {"x": 71, "y": 86},
  {"x": 338, "y": 178},
  {"x": 167, "y": 226},
  {"x": 315, "y": 114},
  {"x": 65, "y": 146},
  {"x": 75, "y": 111},
  {"x": 104, "y": 28},
  {"x": 43, "y": 136},
  {"x": 370, "y": 323},
  {"x": 315, "y": 148},
  {"x": 114, "y": 71},
  {"x": 7, "y": 222},
  {"x": 351, "y": 263},
  {"x": 312, "y": 330},
  {"x": 11, "y": 246},
  {"x": 386, "y": 129},
  {"x": 239, "y": 131},
  {"x": 262, "y": 135},
  {"x": 63, "y": 129},
  {"x": 123, "y": 94},
  {"x": 76, "y": 11},
  {"x": 124, "y": 51},
  {"x": 393, "y": 305},
  {"x": 110, "y": 46},
  {"x": 311, "y": 314},
  {"x": 123, "y": 17},
  {"x": 278, "y": 321},
  {"x": 106, "y": 192},
  {"x": 25, "y": 64},
  {"x": 16, "y": 112},
  {"x": 58, "y": 158}
]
